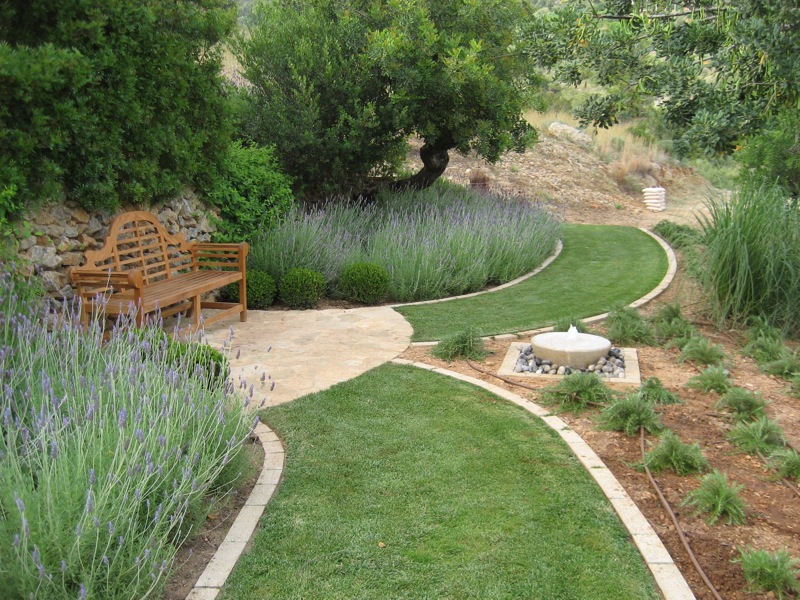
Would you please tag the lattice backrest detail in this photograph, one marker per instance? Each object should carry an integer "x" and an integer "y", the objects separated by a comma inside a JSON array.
[{"x": 136, "y": 240}]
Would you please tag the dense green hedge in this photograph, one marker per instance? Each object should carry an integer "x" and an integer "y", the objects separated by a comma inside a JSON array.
[{"x": 109, "y": 100}]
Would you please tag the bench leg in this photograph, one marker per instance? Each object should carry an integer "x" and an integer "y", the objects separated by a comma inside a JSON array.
[
  {"x": 195, "y": 310},
  {"x": 243, "y": 298}
]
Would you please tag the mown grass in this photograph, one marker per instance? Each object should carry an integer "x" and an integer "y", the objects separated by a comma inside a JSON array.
[
  {"x": 599, "y": 267},
  {"x": 406, "y": 484}
]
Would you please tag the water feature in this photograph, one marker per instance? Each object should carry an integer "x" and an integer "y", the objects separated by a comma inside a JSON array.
[{"x": 570, "y": 348}]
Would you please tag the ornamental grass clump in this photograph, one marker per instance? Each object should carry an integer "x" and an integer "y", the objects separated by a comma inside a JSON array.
[
  {"x": 712, "y": 379},
  {"x": 786, "y": 463},
  {"x": 718, "y": 498},
  {"x": 464, "y": 344},
  {"x": 627, "y": 326},
  {"x": 564, "y": 323},
  {"x": 743, "y": 404},
  {"x": 109, "y": 449},
  {"x": 787, "y": 365},
  {"x": 763, "y": 435},
  {"x": 751, "y": 261},
  {"x": 701, "y": 351},
  {"x": 631, "y": 414},
  {"x": 775, "y": 572},
  {"x": 674, "y": 455},
  {"x": 577, "y": 391},
  {"x": 670, "y": 326},
  {"x": 654, "y": 392}
]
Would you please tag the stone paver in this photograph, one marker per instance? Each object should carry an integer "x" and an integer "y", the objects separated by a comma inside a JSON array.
[{"x": 308, "y": 351}]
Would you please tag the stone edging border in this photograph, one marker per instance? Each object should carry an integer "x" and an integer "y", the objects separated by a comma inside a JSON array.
[
  {"x": 672, "y": 268},
  {"x": 210, "y": 582},
  {"x": 668, "y": 577}
]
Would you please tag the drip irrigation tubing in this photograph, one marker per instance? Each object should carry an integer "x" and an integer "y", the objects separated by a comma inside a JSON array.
[{"x": 677, "y": 525}]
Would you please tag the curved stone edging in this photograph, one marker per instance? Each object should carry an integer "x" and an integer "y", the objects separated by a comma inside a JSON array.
[
  {"x": 536, "y": 271},
  {"x": 210, "y": 582},
  {"x": 672, "y": 268},
  {"x": 668, "y": 577}
]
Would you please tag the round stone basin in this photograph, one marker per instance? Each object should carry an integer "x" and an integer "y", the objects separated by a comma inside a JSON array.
[{"x": 570, "y": 348}]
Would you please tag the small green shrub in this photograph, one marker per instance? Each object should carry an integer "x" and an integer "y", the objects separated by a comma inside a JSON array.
[
  {"x": 775, "y": 572},
  {"x": 668, "y": 323},
  {"x": 252, "y": 194},
  {"x": 302, "y": 288},
  {"x": 712, "y": 379},
  {"x": 464, "y": 344},
  {"x": 364, "y": 282},
  {"x": 577, "y": 391},
  {"x": 701, "y": 351},
  {"x": 678, "y": 236},
  {"x": 627, "y": 326},
  {"x": 671, "y": 453},
  {"x": 786, "y": 463},
  {"x": 763, "y": 435},
  {"x": 261, "y": 290},
  {"x": 744, "y": 404},
  {"x": 200, "y": 359},
  {"x": 629, "y": 415},
  {"x": 654, "y": 392},
  {"x": 787, "y": 365},
  {"x": 718, "y": 498},
  {"x": 564, "y": 323}
]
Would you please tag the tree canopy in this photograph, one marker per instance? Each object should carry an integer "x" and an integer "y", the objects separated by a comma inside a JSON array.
[
  {"x": 108, "y": 100},
  {"x": 719, "y": 69},
  {"x": 338, "y": 86}
]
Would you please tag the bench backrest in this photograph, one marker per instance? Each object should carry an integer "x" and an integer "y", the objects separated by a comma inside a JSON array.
[{"x": 137, "y": 240}]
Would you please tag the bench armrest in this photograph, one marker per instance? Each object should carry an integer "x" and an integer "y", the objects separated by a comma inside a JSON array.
[{"x": 95, "y": 278}]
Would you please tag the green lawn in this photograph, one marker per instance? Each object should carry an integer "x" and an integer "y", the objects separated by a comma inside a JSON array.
[
  {"x": 407, "y": 484},
  {"x": 599, "y": 267}
]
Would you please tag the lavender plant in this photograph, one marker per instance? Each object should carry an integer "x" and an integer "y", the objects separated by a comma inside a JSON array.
[
  {"x": 433, "y": 243},
  {"x": 105, "y": 449}
]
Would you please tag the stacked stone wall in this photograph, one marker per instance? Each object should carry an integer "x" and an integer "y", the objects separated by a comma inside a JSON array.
[{"x": 59, "y": 235}]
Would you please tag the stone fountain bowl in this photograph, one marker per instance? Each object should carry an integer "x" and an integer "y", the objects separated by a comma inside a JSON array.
[{"x": 577, "y": 350}]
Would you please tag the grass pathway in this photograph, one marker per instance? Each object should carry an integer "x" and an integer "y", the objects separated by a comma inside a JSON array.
[
  {"x": 406, "y": 484},
  {"x": 600, "y": 266}
]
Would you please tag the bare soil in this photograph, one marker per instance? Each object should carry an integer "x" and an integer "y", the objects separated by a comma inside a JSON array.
[{"x": 578, "y": 187}]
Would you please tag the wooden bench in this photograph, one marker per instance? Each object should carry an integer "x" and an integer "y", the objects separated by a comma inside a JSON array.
[{"x": 141, "y": 269}]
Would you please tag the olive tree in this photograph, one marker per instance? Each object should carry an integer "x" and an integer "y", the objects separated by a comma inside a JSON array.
[{"x": 339, "y": 86}]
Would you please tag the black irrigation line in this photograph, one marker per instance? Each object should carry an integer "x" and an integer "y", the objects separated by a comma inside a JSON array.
[
  {"x": 675, "y": 522},
  {"x": 653, "y": 482}
]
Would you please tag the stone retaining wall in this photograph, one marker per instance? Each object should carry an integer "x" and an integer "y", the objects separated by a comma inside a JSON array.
[{"x": 63, "y": 232}]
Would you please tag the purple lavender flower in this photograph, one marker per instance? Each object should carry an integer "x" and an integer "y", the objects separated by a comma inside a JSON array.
[
  {"x": 92, "y": 478},
  {"x": 123, "y": 418},
  {"x": 89, "y": 502},
  {"x": 82, "y": 595}
]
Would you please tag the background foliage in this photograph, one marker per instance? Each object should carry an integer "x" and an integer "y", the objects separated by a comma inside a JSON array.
[{"x": 109, "y": 100}]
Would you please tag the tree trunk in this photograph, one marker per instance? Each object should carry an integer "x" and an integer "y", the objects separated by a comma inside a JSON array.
[{"x": 434, "y": 162}]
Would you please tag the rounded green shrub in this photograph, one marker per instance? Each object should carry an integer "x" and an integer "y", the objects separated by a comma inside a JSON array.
[
  {"x": 364, "y": 282},
  {"x": 261, "y": 290},
  {"x": 302, "y": 288},
  {"x": 200, "y": 359}
]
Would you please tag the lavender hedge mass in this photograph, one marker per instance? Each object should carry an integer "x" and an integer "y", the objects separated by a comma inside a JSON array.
[{"x": 105, "y": 450}]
